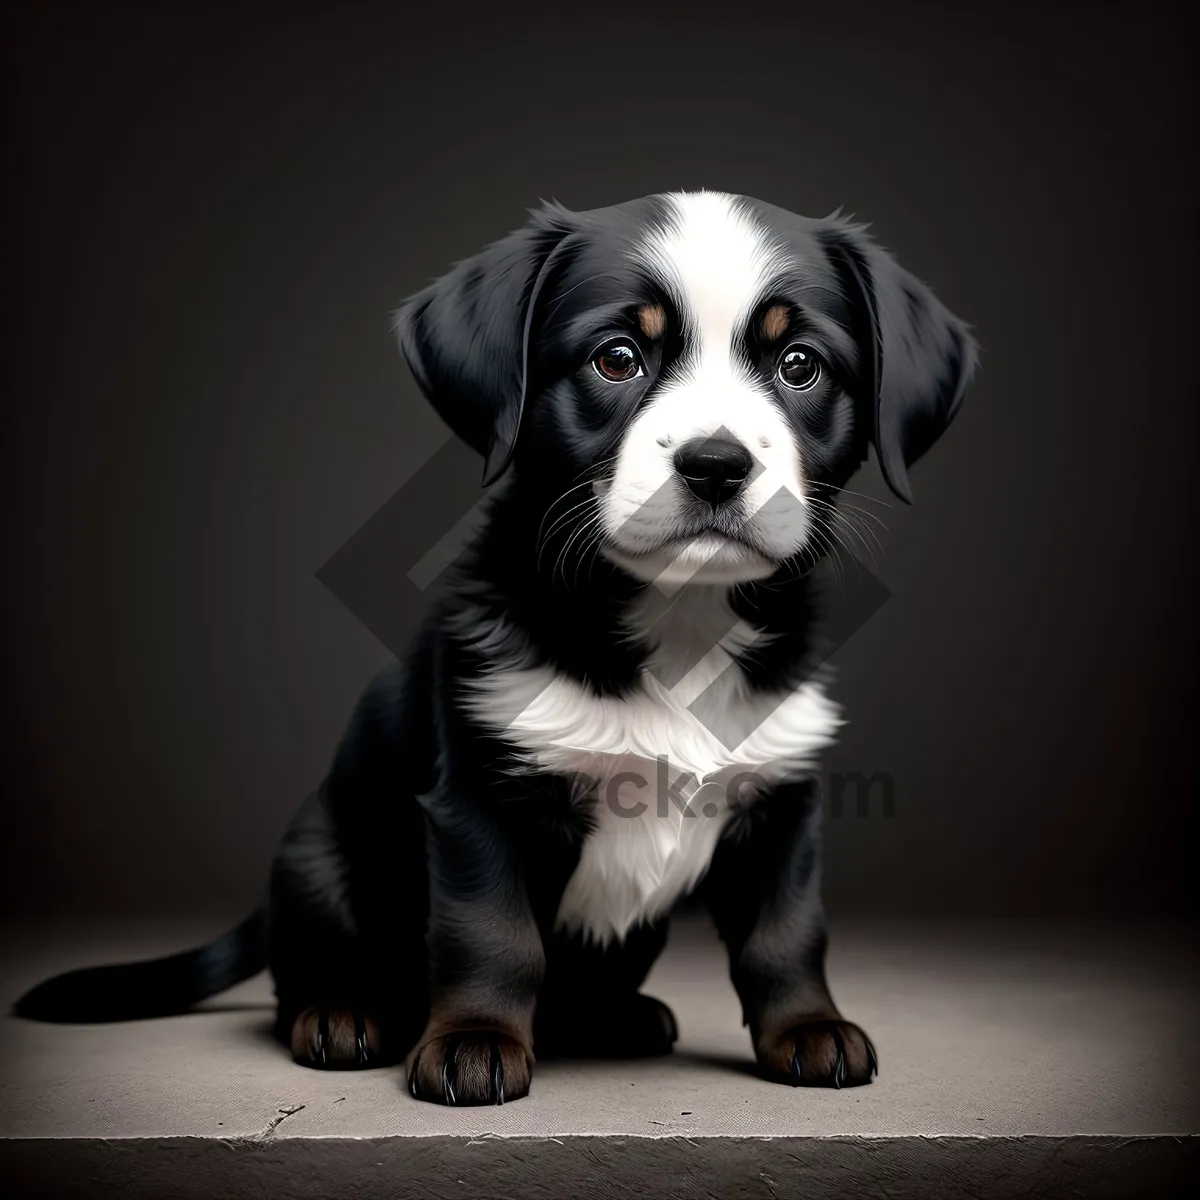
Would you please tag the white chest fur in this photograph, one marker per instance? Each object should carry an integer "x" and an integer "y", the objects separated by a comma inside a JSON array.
[{"x": 655, "y": 768}]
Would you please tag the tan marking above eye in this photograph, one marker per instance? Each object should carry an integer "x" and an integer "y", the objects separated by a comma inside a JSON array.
[
  {"x": 652, "y": 319},
  {"x": 775, "y": 322}
]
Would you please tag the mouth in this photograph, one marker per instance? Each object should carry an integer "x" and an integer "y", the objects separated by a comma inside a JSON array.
[
  {"x": 702, "y": 556},
  {"x": 715, "y": 539}
]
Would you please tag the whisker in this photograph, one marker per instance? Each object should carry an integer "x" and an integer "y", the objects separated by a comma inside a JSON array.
[
  {"x": 822, "y": 533},
  {"x": 565, "y": 516},
  {"x": 556, "y": 502},
  {"x": 590, "y": 471},
  {"x": 861, "y": 495},
  {"x": 591, "y": 545},
  {"x": 850, "y": 506},
  {"x": 844, "y": 521},
  {"x": 846, "y": 518},
  {"x": 562, "y": 557}
]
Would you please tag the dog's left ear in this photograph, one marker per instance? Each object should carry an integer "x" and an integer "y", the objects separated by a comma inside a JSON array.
[
  {"x": 919, "y": 358},
  {"x": 466, "y": 336}
]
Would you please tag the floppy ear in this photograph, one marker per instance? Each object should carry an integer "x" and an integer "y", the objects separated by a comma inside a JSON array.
[
  {"x": 466, "y": 336},
  {"x": 919, "y": 358}
]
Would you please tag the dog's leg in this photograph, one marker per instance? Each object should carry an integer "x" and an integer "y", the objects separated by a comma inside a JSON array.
[
  {"x": 486, "y": 963},
  {"x": 590, "y": 1005},
  {"x": 346, "y": 935},
  {"x": 764, "y": 893}
]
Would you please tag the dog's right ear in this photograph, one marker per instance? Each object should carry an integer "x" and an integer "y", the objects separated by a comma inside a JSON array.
[{"x": 466, "y": 336}]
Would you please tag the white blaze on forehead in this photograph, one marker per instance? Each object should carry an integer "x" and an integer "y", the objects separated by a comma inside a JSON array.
[{"x": 718, "y": 262}]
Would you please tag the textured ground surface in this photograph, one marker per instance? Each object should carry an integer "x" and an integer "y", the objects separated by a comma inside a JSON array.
[{"x": 1015, "y": 1059}]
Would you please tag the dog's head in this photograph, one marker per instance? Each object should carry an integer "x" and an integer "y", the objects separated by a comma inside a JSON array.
[{"x": 701, "y": 371}]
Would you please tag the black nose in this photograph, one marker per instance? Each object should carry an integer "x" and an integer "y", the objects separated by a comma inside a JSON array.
[{"x": 713, "y": 468}]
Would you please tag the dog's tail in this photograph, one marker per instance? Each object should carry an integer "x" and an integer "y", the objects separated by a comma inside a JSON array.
[{"x": 154, "y": 988}]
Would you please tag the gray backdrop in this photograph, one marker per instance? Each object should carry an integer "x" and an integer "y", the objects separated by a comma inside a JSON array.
[{"x": 213, "y": 215}]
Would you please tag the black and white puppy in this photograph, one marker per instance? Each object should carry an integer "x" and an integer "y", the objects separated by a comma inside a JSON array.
[{"x": 616, "y": 701}]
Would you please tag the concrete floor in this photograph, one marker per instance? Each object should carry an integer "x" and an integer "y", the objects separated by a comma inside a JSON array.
[{"x": 1016, "y": 1059}]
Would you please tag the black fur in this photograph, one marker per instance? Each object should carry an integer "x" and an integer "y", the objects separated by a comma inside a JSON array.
[
  {"x": 151, "y": 989},
  {"x": 417, "y": 889}
]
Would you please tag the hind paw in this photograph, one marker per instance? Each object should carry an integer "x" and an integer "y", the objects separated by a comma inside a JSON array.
[
  {"x": 335, "y": 1037},
  {"x": 635, "y": 1026}
]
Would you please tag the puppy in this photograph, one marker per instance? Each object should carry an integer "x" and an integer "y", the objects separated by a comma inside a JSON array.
[{"x": 618, "y": 699}]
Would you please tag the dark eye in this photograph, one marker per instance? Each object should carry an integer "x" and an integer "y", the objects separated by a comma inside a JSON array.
[
  {"x": 800, "y": 367},
  {"x": 618, "y": 362}
]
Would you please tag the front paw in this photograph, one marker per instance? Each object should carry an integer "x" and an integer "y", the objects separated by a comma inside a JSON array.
[
  {"x": 476, "y": 1066},
  {"x": 823, "y": 1053}
]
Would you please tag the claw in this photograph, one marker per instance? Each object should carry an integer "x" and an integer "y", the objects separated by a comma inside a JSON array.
[
  {"x": 497, "y": 1070},
  {"x": 412, "y": 1076},
  {"x": 872, "y": 1058},
  {"x": 839, "y": 1063},
  {"x": 796, "y": 1063},
  {"x": 322, "y": 1032},
  {"x": 448, "y": 1059},
  {"x": 360, "y": 1038}
]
